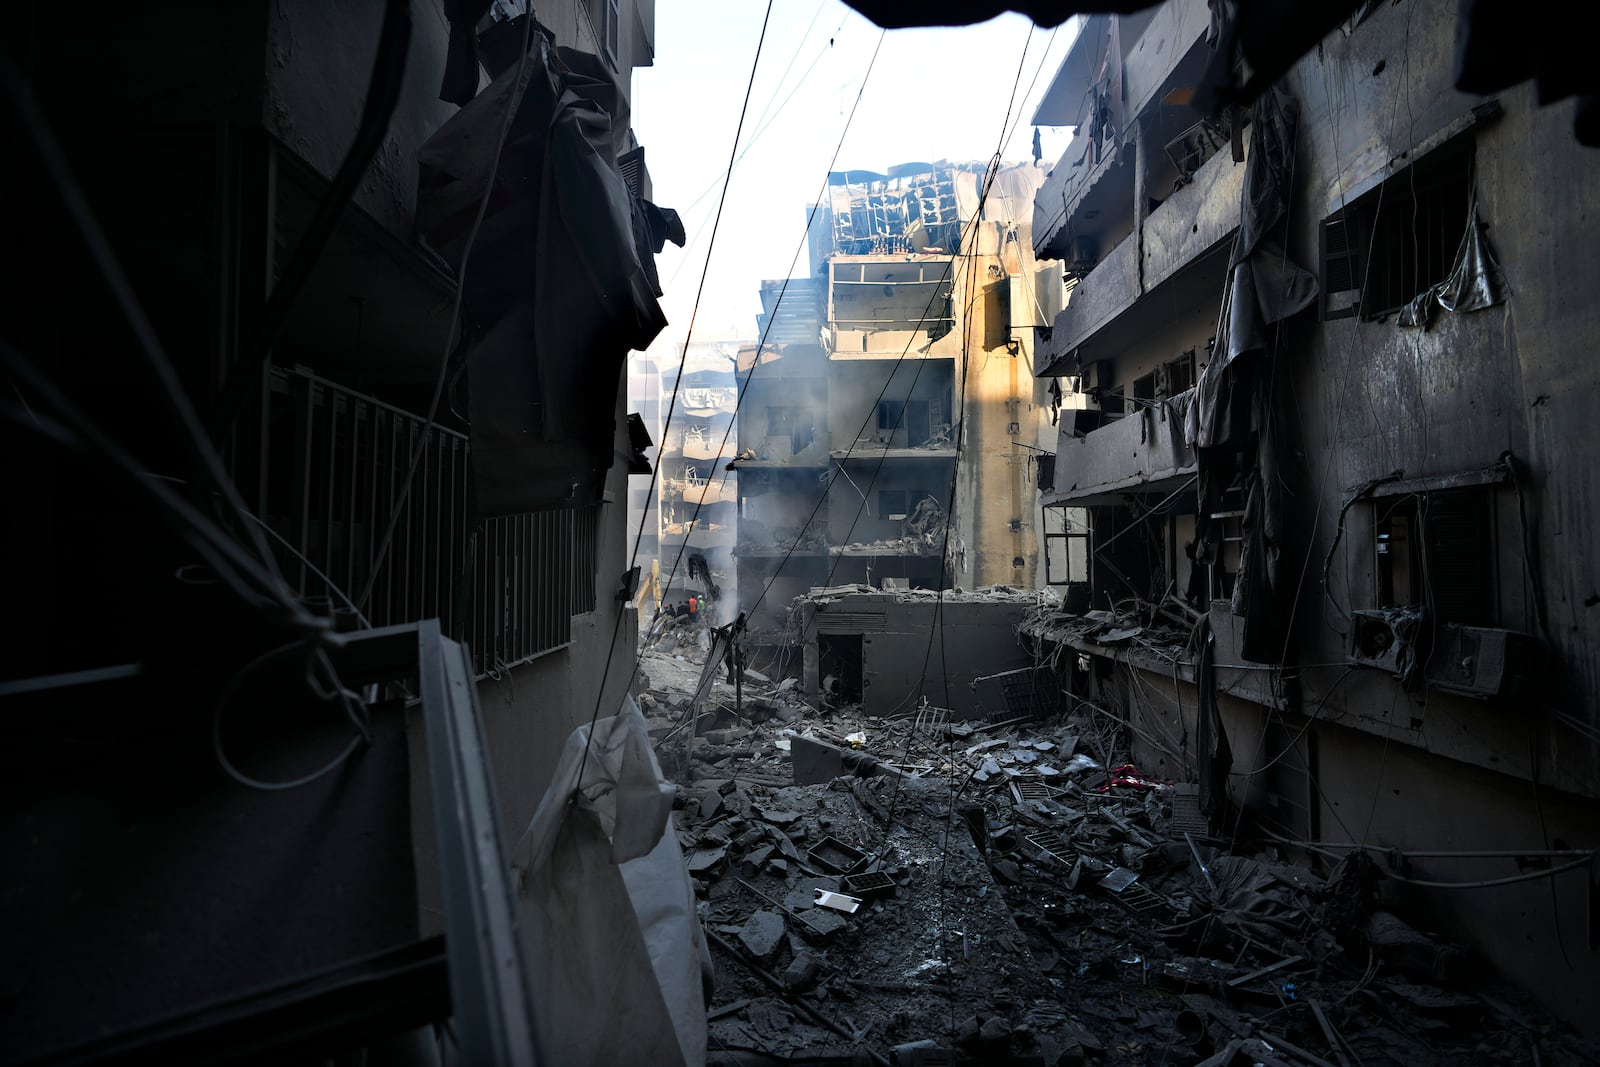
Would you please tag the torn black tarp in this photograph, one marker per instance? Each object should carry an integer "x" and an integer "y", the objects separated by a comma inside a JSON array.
[
  {"x": 1265, "y": 285},
  {"x": 1270, "y": 36},
  {"x": 653, "y": 227},
  {"x": 1475, "y": 281},
  {"x": 1229, "y": 423},
  {"x": 460, "y": 82},
  {"x": 558, "y": 292},
  {"x": 1211, "y": 739}
]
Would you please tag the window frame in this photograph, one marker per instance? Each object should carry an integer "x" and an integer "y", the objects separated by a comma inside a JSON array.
[
  {"x": 1380, "y": 227},
  {"x": 1072, "y": 530}
]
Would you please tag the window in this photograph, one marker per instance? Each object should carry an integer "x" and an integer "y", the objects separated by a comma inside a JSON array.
[
  {"x": 919, "y": 419},
  {"x": 1436, "y": 550},
  {"x": 1175, "y": 376},
  {"x": 1066, "y": 545},
  {"x": 1397, "y": 240}
]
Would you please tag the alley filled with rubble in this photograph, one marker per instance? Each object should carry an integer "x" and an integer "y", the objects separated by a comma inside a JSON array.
[{"x": 922, "y": 889}]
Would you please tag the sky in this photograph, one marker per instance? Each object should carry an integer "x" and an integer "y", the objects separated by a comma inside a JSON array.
[{"x": 930, "y": 95}]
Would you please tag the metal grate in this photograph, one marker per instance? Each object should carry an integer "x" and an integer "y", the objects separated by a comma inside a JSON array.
[
  {"x": 1136, "y": 897},
  {"x": 1032, "y": 787},
  {"x": 332, "y": 462},
  {"x": 1055, "y": 847},
  {"x": 1186, "y": 814}
]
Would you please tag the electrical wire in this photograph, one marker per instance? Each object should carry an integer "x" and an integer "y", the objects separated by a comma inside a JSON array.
[
  {"x": 1324, "y": 848},
  {"x": 239, "y": 570},
  {"x": 605, "y": 673},
  {"x": 351, "y": 701},
  {"x": 756, "y": 363},
  {"x": 116, "y": 280},
  {"x": 762, "y": 124}
]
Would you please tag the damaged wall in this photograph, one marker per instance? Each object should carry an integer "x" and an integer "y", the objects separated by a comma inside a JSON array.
[
  {"x": 911, "y": 647},
  {"x": 1430, "y": 413},
  {"x": 1455, "y": 397}
]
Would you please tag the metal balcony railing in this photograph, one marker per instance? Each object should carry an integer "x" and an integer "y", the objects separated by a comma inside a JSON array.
[{"x": 332, "y": 465}]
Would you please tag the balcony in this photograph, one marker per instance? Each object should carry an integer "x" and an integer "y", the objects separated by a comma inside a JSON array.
[
  {"x": 1086, "y": 205},
  {"x": 876, "y": 451},
  {"x": 1144, "y": 450},
  {"x": 1185, "y": 266},
  {"x": 1194, "y": 219},
  {"x": 883, "y": 307},
  {"x": 699, "y": 491},
  {"x": 697, "y": 534}
]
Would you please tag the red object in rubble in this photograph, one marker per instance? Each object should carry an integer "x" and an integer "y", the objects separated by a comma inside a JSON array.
[{"x": 1130, "y": 776}]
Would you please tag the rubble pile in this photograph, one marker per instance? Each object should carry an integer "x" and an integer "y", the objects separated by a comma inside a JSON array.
[{"x": 919, "y": 890}]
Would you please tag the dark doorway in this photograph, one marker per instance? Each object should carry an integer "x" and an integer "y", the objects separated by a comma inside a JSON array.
[{"x": 839, "y": 658}]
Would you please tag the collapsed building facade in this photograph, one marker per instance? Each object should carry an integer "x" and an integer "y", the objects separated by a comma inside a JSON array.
[
  {"x": 1317, "y": 486},
  {"x": 690, "y": 525},
  {"x": 908, "y": 345}
]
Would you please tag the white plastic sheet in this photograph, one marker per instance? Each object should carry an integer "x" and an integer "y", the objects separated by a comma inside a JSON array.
[{"x": 615, "y": 950}]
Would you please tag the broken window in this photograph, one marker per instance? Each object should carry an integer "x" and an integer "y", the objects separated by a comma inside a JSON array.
[
  {"x": 1144, "y": 387},
  {"x": 892, "y": 504},
  {"x": 1066, "y": 545},
  {"x": 1397, "y": 240},
  {"x": 1175, "y": 376},
  {"x": 1436, "y": 551},
  {"x": 918, "y": 418},
  {"x": 791, "y": 426}
]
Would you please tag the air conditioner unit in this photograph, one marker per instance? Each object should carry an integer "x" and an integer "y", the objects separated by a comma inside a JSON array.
[
  {"x": 1389, "y": 640},
  {"x": 1479, "y": 661}
]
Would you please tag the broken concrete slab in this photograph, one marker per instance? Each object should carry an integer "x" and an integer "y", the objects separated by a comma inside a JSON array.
[
  {"x": 815, "y": 761},
  {"x": 762, "y": 933},
  {"x": 704, "y": 861}
]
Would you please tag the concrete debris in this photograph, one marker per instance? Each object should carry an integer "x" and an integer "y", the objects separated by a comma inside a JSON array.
[
  {"x": 1003, "y": 914},
  {"x": 761, "y": 934}
]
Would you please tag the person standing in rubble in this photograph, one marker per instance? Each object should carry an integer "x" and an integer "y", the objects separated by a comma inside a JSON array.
[{"x": 735, "y": 658}]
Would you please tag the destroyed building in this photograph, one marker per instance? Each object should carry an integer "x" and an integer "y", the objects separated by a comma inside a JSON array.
[
  {"x": 1262, "y": 731},
  {"x": 909, "y": 344},
  {"x": 694, "y": 516},
  {"x": 879, "y": 648},
  {"x": 310, "y": 391},
  {"x": 1316, "y": 508}
]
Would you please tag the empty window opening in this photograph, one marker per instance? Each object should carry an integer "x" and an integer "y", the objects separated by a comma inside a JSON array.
[
  {"x": 1396, "y": 241},
  {"x": 1436, "y": 550}
]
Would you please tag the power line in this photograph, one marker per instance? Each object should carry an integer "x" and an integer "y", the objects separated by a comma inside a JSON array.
[
  {"x": 771, "y": 321},
  {"x": 762, "y": 125},
  {"x": 116, "y": 280},
  {"x": 605, "y": 674}
]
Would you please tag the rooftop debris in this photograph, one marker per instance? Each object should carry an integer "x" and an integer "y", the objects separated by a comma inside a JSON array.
[{"x": 1023, "y": 894}]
